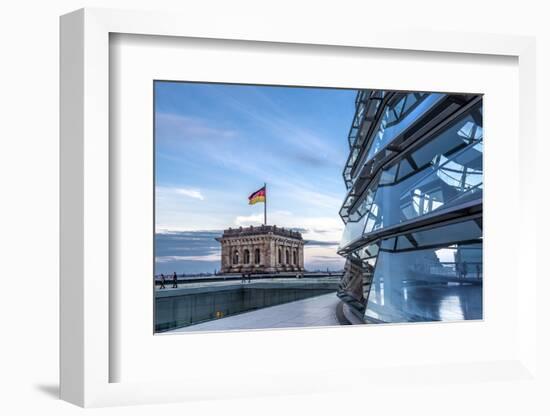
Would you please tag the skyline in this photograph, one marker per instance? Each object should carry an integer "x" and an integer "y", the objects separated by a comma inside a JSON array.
[{"x": 217, "y": 143}]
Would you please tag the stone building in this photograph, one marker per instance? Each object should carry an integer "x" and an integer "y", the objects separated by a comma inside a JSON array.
[{"x": 262, "y": 249}]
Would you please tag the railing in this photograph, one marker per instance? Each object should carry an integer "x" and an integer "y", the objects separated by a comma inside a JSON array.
[
  {"x": 462, "y": 270},
  {"x": 239, "y": 277}
]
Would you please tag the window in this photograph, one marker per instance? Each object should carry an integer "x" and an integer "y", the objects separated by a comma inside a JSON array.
[
  {"x": 246, "y": 256},
  {"x": 287, "y": 257},
  {"x": 295, "y": 257},
  {"x": 280, "y": 256},
  {"x": 236, "y": 257},
  {"x": 257, "y": 256}
]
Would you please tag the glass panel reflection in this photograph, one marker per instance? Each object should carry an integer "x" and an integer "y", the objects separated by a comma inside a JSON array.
[
  {"x": 425, "y": 181},
  {"x": 352, "y": 231},
  {"x": 436, "y": 284},
  {"x": 413, "y": 233},
  {"x": 399, "y": 116}
]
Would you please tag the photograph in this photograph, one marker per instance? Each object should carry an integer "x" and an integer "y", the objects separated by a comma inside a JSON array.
[{"x": 292, "y": 207}]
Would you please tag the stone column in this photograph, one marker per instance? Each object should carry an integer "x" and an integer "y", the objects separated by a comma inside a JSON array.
[
  {"x": 301, "y": 256},
  {"x": 244, "y": 246},
  {"x": 225, "y": 256},
  {"x": 236, "y": 247},
  {"x": 288, "y": 259},
  {"x": 269, "y": 250},
  {"x": 240, "y": 248}
]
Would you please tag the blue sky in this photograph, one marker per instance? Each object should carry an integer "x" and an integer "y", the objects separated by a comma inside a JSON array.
[{"x": 217, "y": 143}]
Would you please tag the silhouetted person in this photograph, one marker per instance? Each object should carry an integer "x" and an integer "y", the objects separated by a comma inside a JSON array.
[
  {"x": 175, "y": 280},
  {"x": 162, "y": 281},
  {"x": 243, "y": 276}
]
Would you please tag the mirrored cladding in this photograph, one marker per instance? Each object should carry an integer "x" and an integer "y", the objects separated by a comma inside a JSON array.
[{"x": 415, "y": 192}]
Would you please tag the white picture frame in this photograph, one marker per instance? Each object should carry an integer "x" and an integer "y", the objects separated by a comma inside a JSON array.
[{"x": 87, "y": 302}]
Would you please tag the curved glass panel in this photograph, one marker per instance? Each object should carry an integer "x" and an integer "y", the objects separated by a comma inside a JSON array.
[
  {"x": 367, "y": 104},
  {"x": 400, "y": 116},
  {"x": 366, "y": 107},
  {"x": 441, "y": 283},
  {"x": 358, "y": 272},
  {"x": 445, "y": 172},
  {"x": 429, "y": 272},
  {"x": 355, "y": 222},
  {"x": 352, "y": 231}
]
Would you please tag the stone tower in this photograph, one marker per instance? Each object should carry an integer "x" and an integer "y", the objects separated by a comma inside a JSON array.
[{"x": 262, "y": 249}]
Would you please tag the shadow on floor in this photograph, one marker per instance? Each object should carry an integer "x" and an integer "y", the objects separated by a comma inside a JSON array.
[{"x": 51, "y": 390}]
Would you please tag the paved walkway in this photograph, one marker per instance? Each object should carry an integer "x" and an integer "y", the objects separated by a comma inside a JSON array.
[{"x": 316, "y": 311}]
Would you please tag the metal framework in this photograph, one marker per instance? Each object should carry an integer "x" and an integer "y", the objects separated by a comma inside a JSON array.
[{"x": 414, "y": 172}]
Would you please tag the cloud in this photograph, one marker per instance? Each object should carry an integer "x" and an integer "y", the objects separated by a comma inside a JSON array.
[
  {"x": 314, "y": 197},
  {"x": 164, "y": 192},
  {"x": 299, "y": 229},
  {"x": 171, "y": 244},
  {"x": 243, "y": 221},
  {"x": 321, "y": 257},
  {"x": 187, "y": 251},
  {"x": 326, "y": 229},
  {"x": 317, "y": 243},
  {"x": 308, "y": 146},
  {"x": 238, "y": 139},
  {"x": 179, "y": 126},
  {"x": 192, "y": 193},
  {"x": 321, "y": 230},
  {"x": 167, "y": 232},
  {"x": 209, "y": 257},
  {"x": 285, "y": 143}
]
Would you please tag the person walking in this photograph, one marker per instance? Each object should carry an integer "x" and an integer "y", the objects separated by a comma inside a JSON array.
[
  {"x": 175, "y": 280},
  {"x": 162, "y": 281}
]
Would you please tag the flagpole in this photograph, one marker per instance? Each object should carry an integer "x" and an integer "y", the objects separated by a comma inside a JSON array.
[{"x": 265, "y": 204}]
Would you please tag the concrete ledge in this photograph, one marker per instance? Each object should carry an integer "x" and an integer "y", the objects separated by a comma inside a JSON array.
[{"x": 350, "y": 316}]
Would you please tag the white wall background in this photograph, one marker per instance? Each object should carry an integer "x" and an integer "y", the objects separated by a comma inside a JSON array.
[{"x": 29, "y": 206}]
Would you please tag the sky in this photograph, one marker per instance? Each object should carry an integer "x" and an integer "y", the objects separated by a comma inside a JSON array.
[{"x": 217, "y": 143}]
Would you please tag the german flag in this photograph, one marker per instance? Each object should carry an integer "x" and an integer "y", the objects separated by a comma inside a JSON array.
[{"x": 258, "y": 196}]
